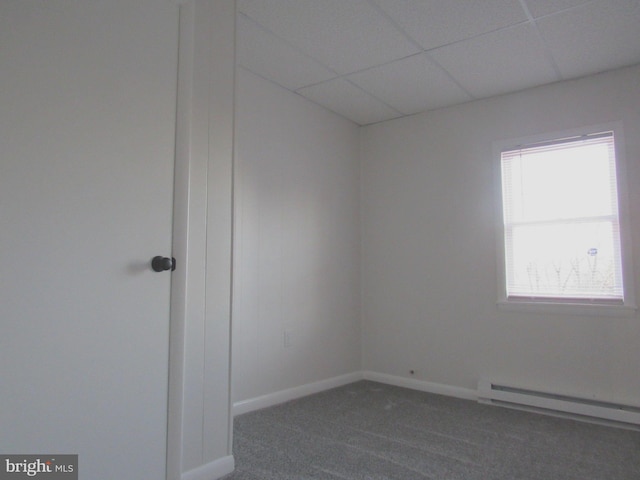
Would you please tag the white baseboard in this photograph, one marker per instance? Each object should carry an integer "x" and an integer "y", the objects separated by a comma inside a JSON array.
[
  {"x": 271, "y": 399},
  {"x": 216, "y": 469},
  {"x": 421, "y": 385}
]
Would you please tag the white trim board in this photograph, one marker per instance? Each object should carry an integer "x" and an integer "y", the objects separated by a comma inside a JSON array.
[
  {"x": 216, "y": 469},
  {"x": 271, "y": 399},
  {"x": 421, "y": 385},
  {"x": 282, "y": 396},
  {"x": 199, "y": 421}
]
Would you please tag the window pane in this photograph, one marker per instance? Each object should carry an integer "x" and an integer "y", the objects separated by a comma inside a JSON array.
[
  {"x": 564, "y": 260},
  {"x": 568, "y": 183}
]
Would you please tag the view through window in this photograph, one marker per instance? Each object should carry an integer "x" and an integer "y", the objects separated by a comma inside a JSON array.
[{"x": 561, "y": 223}]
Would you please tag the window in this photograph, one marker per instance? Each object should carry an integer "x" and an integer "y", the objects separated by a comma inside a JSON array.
[{"x": 561, "y": 223}]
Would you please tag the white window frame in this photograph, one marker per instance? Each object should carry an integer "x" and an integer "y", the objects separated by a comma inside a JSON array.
[{"x": 563, "y": 306}]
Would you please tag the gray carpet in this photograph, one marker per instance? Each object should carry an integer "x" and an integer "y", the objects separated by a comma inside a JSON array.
[{"x": 372, "y": 431}]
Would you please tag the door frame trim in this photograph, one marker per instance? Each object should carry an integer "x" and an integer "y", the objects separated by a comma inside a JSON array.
[
  {"x": 199, "y": 423},
  {"x": 178, "y": 311}
]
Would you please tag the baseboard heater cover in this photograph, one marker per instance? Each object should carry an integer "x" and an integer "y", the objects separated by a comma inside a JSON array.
[{"x": 505, "y": 395}]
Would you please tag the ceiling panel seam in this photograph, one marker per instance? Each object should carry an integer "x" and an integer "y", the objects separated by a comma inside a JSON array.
[
  {"x": 337, "y": 76},
  {"x": 384, "y": 14},
  {"x": 546, "y": 49},
  {"x": 292, "y": 45},
  {"x": 273, "y": 82}
]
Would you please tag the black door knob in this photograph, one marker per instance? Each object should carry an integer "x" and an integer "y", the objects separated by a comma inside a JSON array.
[{"x": 162, "y": 264}]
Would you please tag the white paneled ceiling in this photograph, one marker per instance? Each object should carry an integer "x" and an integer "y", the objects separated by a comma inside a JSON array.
[{"x": 375, "y": 60}]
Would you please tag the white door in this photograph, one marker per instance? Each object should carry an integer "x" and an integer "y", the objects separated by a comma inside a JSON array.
[{"x": 87, "y": 128}]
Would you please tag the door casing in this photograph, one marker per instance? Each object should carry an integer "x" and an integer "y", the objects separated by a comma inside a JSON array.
[{"x": 199, "y": 416}]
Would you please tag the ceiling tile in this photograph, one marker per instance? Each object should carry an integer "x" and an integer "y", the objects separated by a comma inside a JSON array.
[
  {"x": 595, "y": 37},
  {"x": 345, "y": 36},
  {"x": 539, "y": 8},
  {"x": 346, "y": 99},
  {"x": 274, "y": 59},
  {"x": 433, "y": 23},
  {"x": 498, "y": 62},
  {"x": 411, "y": 85}
]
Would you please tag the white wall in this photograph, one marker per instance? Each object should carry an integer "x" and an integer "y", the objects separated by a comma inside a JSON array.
[
  {"x": 429, "y": 248},
  {"x": 296, "y": 242}
]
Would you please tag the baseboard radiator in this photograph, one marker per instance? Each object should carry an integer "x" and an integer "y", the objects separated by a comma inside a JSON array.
[{"x": 544, "y": 402}]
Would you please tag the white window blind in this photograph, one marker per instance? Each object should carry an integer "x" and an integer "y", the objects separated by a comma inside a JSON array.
[{"x": 561, "y": 224}]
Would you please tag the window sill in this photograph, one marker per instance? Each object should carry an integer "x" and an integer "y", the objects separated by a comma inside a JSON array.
[{"x": 584, "y": 309}]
